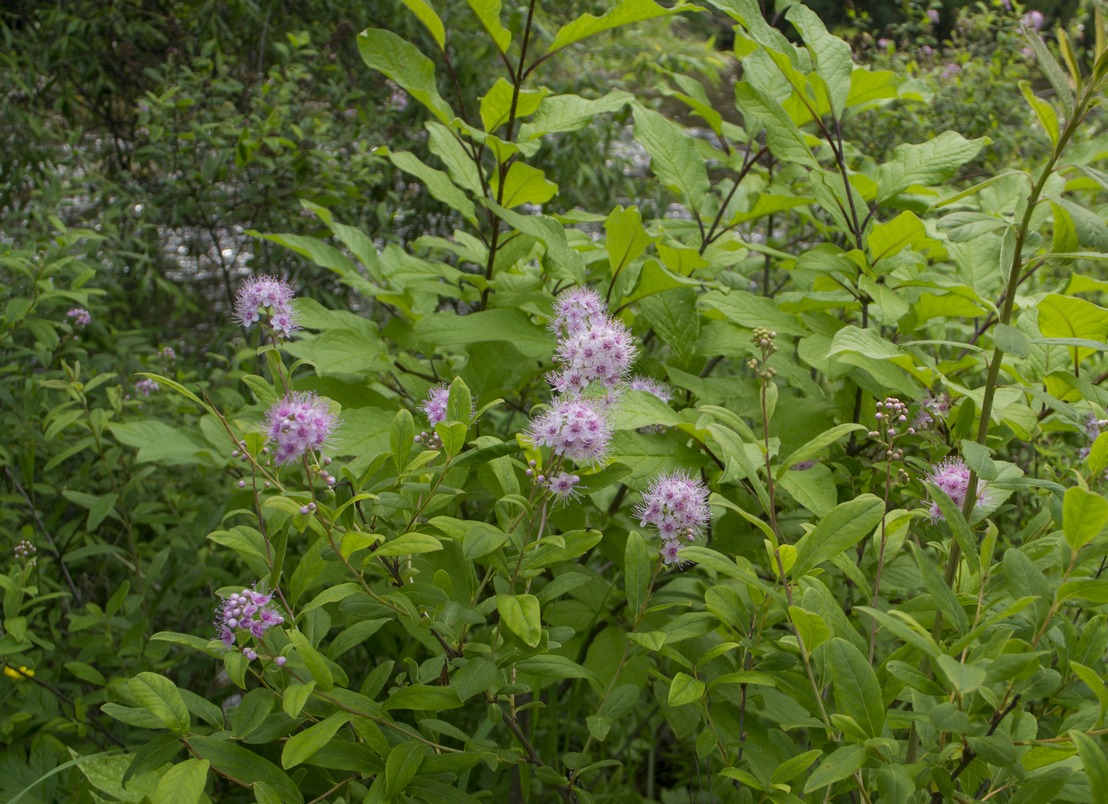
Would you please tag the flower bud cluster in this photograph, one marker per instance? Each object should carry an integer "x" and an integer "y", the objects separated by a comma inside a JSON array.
[
  {"x": 763, "y": 339},
  {"x": 677, "y": 505},
  {"x": 25, "y": 550},
  {"x": 250, "y": 610},
  {"x": 891, "y": 416},
  {"x": 932, "y": 410},
  {"x": 267, "y": 295},
  {"x": 80, "y": 316}
]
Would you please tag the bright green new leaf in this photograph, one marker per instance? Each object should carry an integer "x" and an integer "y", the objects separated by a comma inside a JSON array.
[
  {"x": 496, "y": 105},
  {"x": 521, "y": 615},
  {"x": 685, "y": 689},
  {"x": 889, "y": 238},
  {"x": 523, "y": 185},
  {"x": 626, "y": 239},
  {"x": 1084, "y": 515},
  {"x": 423, "y": 697},
  {"x": 430, "y": 18},
  {"x": 488, "y": 12}
]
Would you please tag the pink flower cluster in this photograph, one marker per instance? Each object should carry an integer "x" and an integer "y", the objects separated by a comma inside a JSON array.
[
  {"x": 81, "y": 317},
  {"x": 434, "y": 407},
  {"x": 591, "y": 346},
  {"x": 266, "y": 294},
  {"x": 677, "y": 505},
  {"x": 651, "y": 386},
  {"x": 576, "y": 309},
  {"x": 250, "y": 610},
  {"x": 298, "y": 423},
  {"x": 952, "y": 476},
  {"x": 146, "y": 386},
  {"x": 575, "y": 428}
]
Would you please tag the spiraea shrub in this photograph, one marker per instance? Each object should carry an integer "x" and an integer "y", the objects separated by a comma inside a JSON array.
[{"x": 791, "y": 493}]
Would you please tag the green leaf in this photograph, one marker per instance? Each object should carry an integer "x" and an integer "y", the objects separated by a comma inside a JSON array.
[
  {"x": 390, "y": 54},
  {"x": 1070, "y": 317},
  {"x": 313, "y": 659},
  {"x": 685, "y": 690},
  {"x": 300, "y": 747},
  {"x": 560, "y": 260},
  {"x": 810, "y": 627},
  {"x": 674, "y": 156},
  {"x": 553, "y": 666},
  {"x": 160, "y": 697},
  {"x": 427, "y": 15},
  {"x": 401, "y": 439},
  {"x": 931, "y": 162},
  {"x": 963, "y": 678},
  {"x": 832, "y": 56},
  {"x": 623, "y": 13},
  {"x": 1011, "y": 340},
  {"x": 891, "y": 237},
  {"x": 1052, "y": 70},
  {"x": 496, "y": 105},
  {"x": 1096, "y": 766},
  {"x": 246, "y": 766},
  {"x": 837, "y": 532},
  {"x": 785, "y": 140},
  {"x": 1048, "y": 119},
  {"x": 839, "y": 765},
  {"x": 636, "y": 572},
  {"x": 402, "y": 765},
  {"x": 481, "y": 539},
  {"x": 424, "y": 698},
  {"x": 488, "y": 12},
  {"x": 558, "y": 113},
  {"x": 295, "y": 696},
  {"x": 816, "y": 445},
  {"x": 158, "y": 442},
  {"x": 857, "y": 693},
  {"x": 252, "y": 711},
  {"x": 438, "y": 182},
  {"x": 626, "y": 239},
  {"x": 521, "y": 615},
  {"x": 523, "y": 185},
  {"x": 1084, "y": 515},
  {"x": 341, "y": 351},
  {"x": 408, "y": 544},
  {"x": 794, "y": 766},
  {"x": 1095, "y": 683},
  {"x": 509, "y": 325},
  {"x": 183, "y": 783}
]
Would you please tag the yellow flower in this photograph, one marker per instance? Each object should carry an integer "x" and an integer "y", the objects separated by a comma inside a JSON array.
[{"x": 22, "y": 674}]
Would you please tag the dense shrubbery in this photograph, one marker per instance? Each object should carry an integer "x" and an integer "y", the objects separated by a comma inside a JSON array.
[{"x": 778, "y": 480}]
